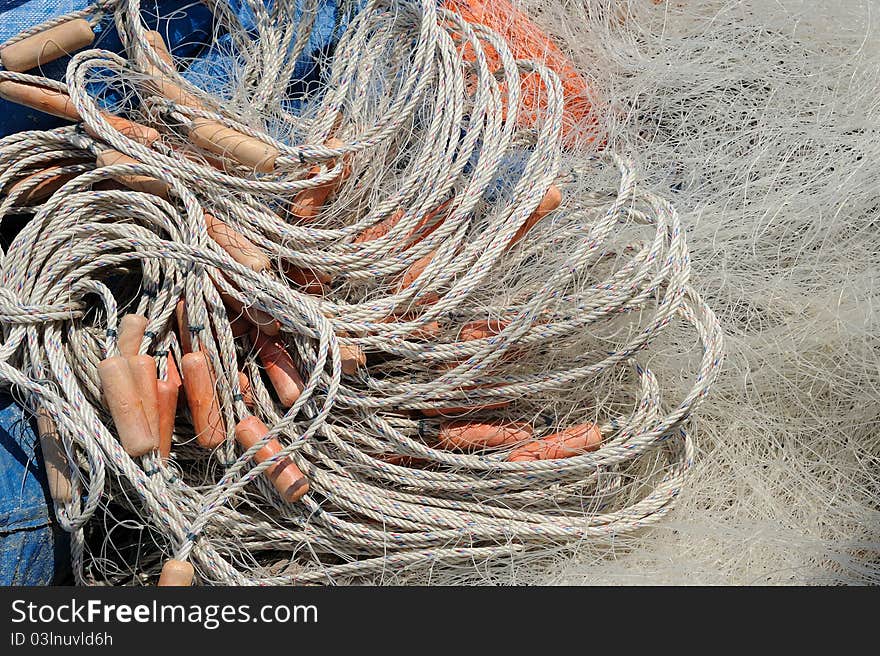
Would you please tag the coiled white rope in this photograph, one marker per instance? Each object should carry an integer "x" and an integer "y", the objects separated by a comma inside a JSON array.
[{"x": 578, "y": 303}]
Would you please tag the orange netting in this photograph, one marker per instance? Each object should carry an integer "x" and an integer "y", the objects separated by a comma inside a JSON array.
[{"x": 527, "y": 41}]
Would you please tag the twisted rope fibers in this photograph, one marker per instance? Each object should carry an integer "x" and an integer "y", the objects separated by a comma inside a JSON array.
[{"x": 578, "y": 302}]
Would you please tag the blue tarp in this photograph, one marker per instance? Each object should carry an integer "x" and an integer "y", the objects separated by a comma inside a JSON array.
[{"x": 32, "y": 549}]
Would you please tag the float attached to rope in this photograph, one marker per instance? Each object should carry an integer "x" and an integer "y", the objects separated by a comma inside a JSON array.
[{"x": 407, "y": 335}]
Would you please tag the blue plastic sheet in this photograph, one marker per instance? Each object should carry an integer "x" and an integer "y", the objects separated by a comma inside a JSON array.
[{"x": 32, "y": 550}]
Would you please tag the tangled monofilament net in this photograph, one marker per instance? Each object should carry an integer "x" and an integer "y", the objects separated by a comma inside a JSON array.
[
  {"x": 760, "y": 119},
  {"x": 438, "y": 156}
]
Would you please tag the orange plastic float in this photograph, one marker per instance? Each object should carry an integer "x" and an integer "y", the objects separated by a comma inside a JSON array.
[
  {"x": 45, "y": 100},
  {"x": 280, "y": 368},
  {"x": 176, "y": 573},
  {"x": 208, "y": 134},
  {"x": 426, "y": 331},
  {"x": 255, "y": 316},
  {"x": 477, "y": 435},
  {"x": 42, "y": 190},
  {"x": 58, "y": 104},
  {"x": 183, "y": 333},
  {"x": 564, "y": 444},
  {"x": 353, "y": 358},
  {"x": 134, "y": 131},
  {"x": 247, "y": 394},
  {"x": 143, "y": 373},
  {"x": 309, "y": 280},
  {"x": 54, "y": 459},
  {"x": 126, "y": 407},
  {"x": 284, "y": 475},
  {"x": 48, "y": 45},
  {"x": 227, "y": 142},
  {"x": 552, "y": 199},
  {"x": 173, "y": 375},
  {"x": 157, "y": 42},
  {"x": 422, "y": 229},
  {"x": 308, "y": 203},
  {"x": 240, "y": 248},
  {"x": 482, "y": 329},
  {"x": 167, "y": 394},
  {"x": 201, "y": 396},
  {"x": 142, "y": 183},
  {"x": 131, "y": 334}
]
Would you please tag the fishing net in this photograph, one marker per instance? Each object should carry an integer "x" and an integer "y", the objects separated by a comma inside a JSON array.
[{"x": 384, "y": 296}]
